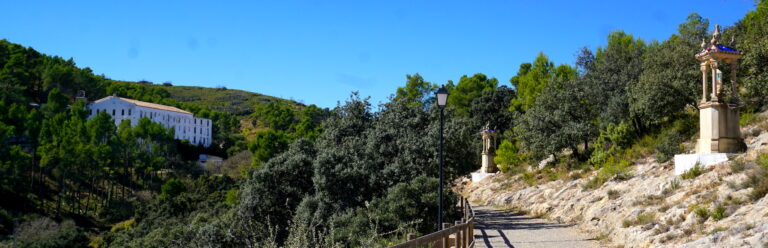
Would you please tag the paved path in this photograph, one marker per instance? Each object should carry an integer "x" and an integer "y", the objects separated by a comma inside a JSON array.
[{"x": 496, "y": 228}]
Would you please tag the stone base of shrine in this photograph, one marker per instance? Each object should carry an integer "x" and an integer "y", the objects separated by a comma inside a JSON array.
[
  {"x": 719, "y": 129},
  {"x": 479, "y": 176},
  {"x": 684, "y": 162}
]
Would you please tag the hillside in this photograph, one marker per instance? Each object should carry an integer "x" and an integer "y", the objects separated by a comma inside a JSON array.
[
  {"x": 722, "y": 206},
  {"x": 235, "y": 102}
]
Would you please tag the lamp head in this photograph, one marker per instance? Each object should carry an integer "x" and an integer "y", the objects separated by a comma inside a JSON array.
[{"x": 442, "y": 96}]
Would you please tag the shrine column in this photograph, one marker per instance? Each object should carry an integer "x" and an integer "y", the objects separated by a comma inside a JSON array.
[
  {"x": 713, "y": 66},
  {"x": 734, "y": 85},
  {"x": 704, "y": 82}
]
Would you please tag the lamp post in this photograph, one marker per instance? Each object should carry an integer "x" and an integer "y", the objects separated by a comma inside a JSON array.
[{"x": 442, "y": 99}]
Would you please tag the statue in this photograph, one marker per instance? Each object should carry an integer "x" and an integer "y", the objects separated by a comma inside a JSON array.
[{"x": 716, "y": 36}]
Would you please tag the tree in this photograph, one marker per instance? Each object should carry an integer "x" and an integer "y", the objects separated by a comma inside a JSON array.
[
  {"x": 417, "y": 91},
  {"x": 670, "y": 78},
  {"x": 267, "y": 144},
  {"x": 507, "y": 156},
  {"x": 618, "y": 65},
  {"x": 469, "y": 88},
  {"x": 492, "y": 108},
  {"x": 751, "y": 40},
  {"x": 173, "y": 187},
  {"x": 561, "y": 117},
  {"x": 274, "y": 191},
  {"x": 531, "y": 79},
  {"x": 274, "y": 114},
  {"x": 57, "y": 103}
]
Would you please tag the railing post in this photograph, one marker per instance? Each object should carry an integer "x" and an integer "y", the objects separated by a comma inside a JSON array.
[
  {"x": 446, "y": 236},
  {"x": 458, "y": 235},
  {"x": 472, "y": 229}
]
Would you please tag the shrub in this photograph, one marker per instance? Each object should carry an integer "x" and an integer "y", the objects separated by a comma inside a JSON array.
[
  {"x": 702, "y": 212},
  {"x": 529, "y": 178},
  {"x": 231, "y": 197},
  {"x": 125, "y": 225},
  {"x": 719, "y": 213},
  {"x": 737, "y": 166},
  {"x": 694, "y": 172},
  {"x": 610, "y": 141},
  {"x": 171, "y": 188},
  {"x": 673, "y": 185},
  {"x": 669, "y": 144},
  {"x": 507, "y": 157},
  {"x": 618, "y": 170},
  {"x": 749, "y": 115},
  {"x": 641, "y": 219}
]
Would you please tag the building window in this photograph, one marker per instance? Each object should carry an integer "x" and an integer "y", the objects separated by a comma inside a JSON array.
[
  {"x": 90, "y": 111},
  {"x": 113, "y": 112},
  {"x": 122, "y": 112},
  {"x": 129, "y": 112}
]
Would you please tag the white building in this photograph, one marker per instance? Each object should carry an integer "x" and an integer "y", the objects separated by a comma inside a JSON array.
[{"x": 185, "y": 125}]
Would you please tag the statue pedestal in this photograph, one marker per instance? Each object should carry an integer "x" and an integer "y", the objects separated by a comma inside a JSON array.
[
  {"x": 488, "y": 165},
  {"x": 719, "y": 129}
]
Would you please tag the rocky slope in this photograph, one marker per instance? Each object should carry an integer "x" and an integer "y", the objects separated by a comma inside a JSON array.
[{"x": 654, "y": 208}]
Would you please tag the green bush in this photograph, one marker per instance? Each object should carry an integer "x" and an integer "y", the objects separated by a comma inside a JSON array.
[
  {"x": 618, "y": 170},
  {"x": 702, "y": 212},
  {"x": 749, "y": 115},
  {"x": 231, "y": 197},
  {"x": 172, "y": 188},
  {"x": 669, "y": 144},
  {"x": 529, "y": 178},
  {"x": 719, "y": 213},
  {"x": 694, "y": 172},
  {"x": 508, "y": 157},
  {"x": 610, "y": 142}
]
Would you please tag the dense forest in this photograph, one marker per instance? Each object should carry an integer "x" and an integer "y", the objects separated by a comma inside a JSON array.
[{"x": 302, "y": 176}]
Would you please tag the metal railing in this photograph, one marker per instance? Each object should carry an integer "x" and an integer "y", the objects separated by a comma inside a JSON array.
[{"x": 460, "y": 235}]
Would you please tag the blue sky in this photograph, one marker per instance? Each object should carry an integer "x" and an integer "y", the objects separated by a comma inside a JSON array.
[{"x": 318, "y": 52}]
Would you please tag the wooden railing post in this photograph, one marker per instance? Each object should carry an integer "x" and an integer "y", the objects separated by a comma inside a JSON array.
[
  {"x": 462, "y": 235},
  {"x": 446, "y": 236},
  {"x": 458, "y": 235}
]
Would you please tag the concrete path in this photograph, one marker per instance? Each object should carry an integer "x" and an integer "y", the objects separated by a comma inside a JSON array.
[{"x": 497, "y": 228}]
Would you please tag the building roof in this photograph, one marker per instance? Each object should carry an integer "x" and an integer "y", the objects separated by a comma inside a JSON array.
[{"x": 147, "y": 105}]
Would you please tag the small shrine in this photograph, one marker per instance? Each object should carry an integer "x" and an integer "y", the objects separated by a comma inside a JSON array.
[
  {"x": 489, "y": 150},
  {"x": 719, "y": 131},
  {"x": 718, "y": 119}
]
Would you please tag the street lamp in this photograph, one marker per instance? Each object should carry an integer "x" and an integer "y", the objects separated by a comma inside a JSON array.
[{"x": 442, "y": 99}]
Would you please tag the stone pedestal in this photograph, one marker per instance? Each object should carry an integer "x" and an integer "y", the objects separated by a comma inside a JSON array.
[
  {"x": 488, "y": 165},
  {"x": 719, "y": 129}
]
